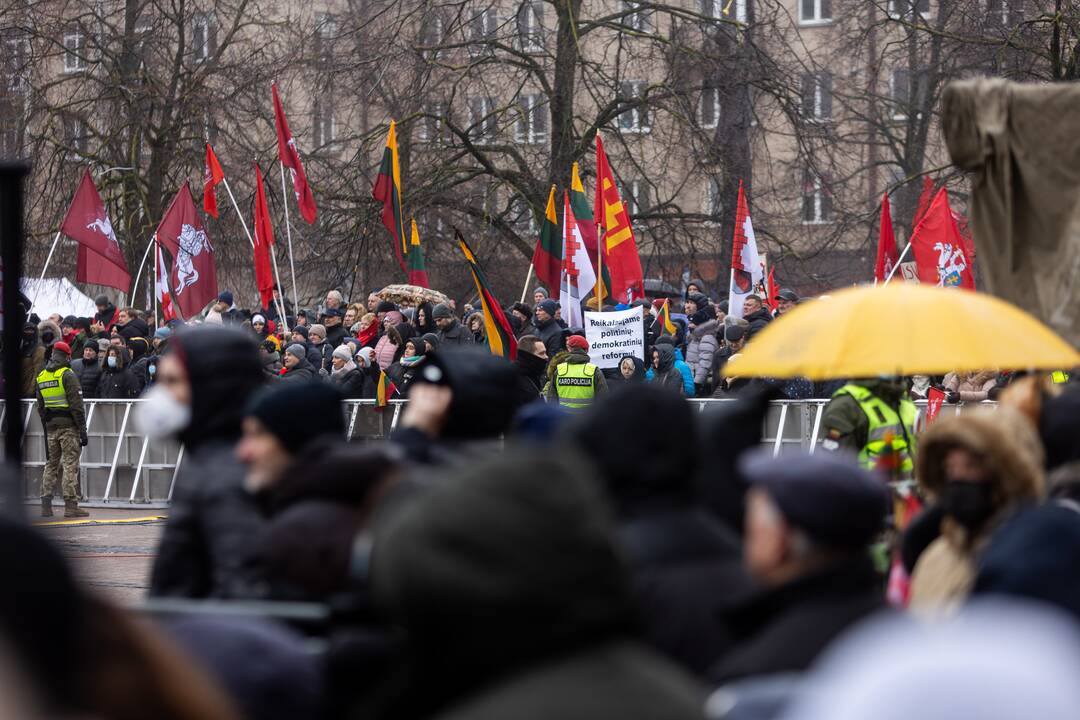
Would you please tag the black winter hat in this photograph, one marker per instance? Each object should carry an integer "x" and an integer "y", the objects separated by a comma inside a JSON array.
[
  {"x": 385, "y": 306},
  {"x": 523, "y": 309},
  {"x": 826, "y": 495},
  {"x": 302, "y": 329},
  {"x": 299, "y": 413},
  {"x": 441, "y": 311},
  {"x": 484, "y": 386}
]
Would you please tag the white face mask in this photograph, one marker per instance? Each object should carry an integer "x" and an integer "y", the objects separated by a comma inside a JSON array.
[
  {"x": 159, "y": 415},
  {"x": 111, "y": 360}
]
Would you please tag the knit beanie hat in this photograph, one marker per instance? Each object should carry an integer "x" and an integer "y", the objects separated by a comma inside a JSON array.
[
  {"x": 342, "y": 352},
  {"x": 441, "y": 311},
  {"x": 297, "y": 414},
  {"x": 317, "y": 329},
  {"x": 542, "y": 290},
  {"x": 431, "y": 338},
  {"x": 297, "y": 350},
  {"x": 548, "y": 306},
  {"x": 576, "y": 342},
  {"x": 302, "y": 329},
  {"x": 257, "y": 318}
]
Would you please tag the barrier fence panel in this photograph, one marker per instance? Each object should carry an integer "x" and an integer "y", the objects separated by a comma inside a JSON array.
[{"x": 120, "y": 467}]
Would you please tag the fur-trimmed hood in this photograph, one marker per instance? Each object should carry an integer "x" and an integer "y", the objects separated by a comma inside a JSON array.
[{"x": 1005, "y": 437}]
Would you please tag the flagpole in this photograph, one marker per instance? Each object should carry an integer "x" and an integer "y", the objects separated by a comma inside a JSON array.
[
  {"x": 280, "y": 301},
  {"x": 528, "y": 277},
  {"x": 599, "y": 271},
  {"x": 43, "y": 270},
  {"x": 157, "y": 276},
  {"x": 897, "y": 265},
  {"x": 238, "y": 213},
  {"x": 288, "y": 234},
  {"x": 142, "y": 264}
]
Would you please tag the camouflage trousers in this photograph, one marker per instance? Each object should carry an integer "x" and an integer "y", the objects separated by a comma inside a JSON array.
[{"x": 64, "y": 452}]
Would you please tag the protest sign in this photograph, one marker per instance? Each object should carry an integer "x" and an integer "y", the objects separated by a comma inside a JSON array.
[{"x": 614, "y": 335}]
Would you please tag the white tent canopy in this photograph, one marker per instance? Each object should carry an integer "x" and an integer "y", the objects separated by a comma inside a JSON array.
[{"x": 57, "y": 295}]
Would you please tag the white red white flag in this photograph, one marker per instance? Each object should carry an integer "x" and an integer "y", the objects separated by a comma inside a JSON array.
[{"x": 578, "y": 277}]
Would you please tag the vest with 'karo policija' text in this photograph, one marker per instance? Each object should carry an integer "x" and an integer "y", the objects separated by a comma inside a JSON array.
[
  {"x": 574, "y": 384},
  {"x": 888, "y": 431},
  {"x": 51, "y": 386}
]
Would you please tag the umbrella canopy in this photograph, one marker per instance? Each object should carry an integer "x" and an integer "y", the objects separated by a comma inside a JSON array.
[
  {"x": 411, "y": 293},
  {"x": 902, "y": 329}
]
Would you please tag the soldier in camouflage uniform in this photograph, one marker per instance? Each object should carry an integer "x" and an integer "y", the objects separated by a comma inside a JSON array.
[{"x": 60, "y": 405}]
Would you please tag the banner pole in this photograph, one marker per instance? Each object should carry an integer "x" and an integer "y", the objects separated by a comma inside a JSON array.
[
  {"x": 525, "y": 289},
  {"x": 43, "y": 271},
  {"x": 157, "y": 275},
  {"x": 238, "y": 213},
  {"x": 599, "y": 271},
  {"x": 280, "y": 301},
  {"x": 288, "y": 234},
  {"x": 898, "y": 261},
  {"x": 138, "y": 275}
]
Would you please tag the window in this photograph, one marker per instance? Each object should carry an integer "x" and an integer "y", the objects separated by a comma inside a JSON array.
[
  {"x": 13, "y": 64},
  {"x": 815, "y": 11},
  {"x": 709, "y": 108},
  {"x": 76, "y": 138},
  {"x": 724, "y": 9},
  {"x": 1004, "y": 12},
  {"x": 816, "y": 200},
  {"x": 203, "y": 36},
  {"x": 484, "y": 25},
  {"x": 325, "y": 32},
  {"x": 906, "y": 8},
  {"x": 481, "y": 119},
  {"x": 532, "y": 125},
  {"x": 432, "y": 129},
  {"x": 431, "y": 34},
  {"x": 714, "y": 200},
  {"x": 636, "y": 118},
  {"x": 817, "y": 97},
  {"x": 636, "y": 197},
  {"x": 900, "y": 93},
  {"x": 531, "y": 26},
  {"x": 638, "y": 20},
  {"x": 74, "y": 51},
  {"x": 323, "y": 120}
]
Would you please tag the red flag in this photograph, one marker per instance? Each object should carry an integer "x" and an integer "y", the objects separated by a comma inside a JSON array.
[
  {"x": 934, "y": 399},
  {"x": 194, "y": 279},
  {"x": 161, "y": 286},
  {"x": 290, "y": 158},
  {"x": 924, "y": 200},
  {"x": 264, "y": 238},
  {"x": 212, "y": 175},
  {"x": 100, "y": 259},
  {"x": 619, "y": 247},
  {"x": 772, "y": 301},
  {"x": 887, "y": 256},
  {"x": 938, "y": 248}
]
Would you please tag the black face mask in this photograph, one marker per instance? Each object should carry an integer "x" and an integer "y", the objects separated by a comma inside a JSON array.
[{"x": 971, "y": 504}]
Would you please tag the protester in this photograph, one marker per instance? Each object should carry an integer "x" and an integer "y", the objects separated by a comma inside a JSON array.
[
  {"x": 107, "y": 315},
  {"x": 701, "y": 343},
  {"x": 345, "y": 376},
  {"x": 88, "y": 370},
  {"x": 296, "y": 368},
  {"x": 271, "y": 360},
  {"x": 981, "y": 467},
  {"x": 259, "y": 327},
  {"x": 336, "y": 333},
  {"x": 450, "y": 330},
  {"x": 476, "y": 327},
  {"x": 631, "y": 371},
  {"x": 226, "y": 308},
  {"x": 546, "y": 328},
  {"x": 403, "y": 371},
  {"x": 786, "y": 300},
  {"x": 204, "y": 383},
  {"x": 540, "y": 294},
  {"x": 117, "y": 382},
  {"x": 663, "y": 369},
  {"x": 684, "y": 371},
  {"x": 389, "y": 347},
  {"x": 531, "y": 364},
  {"x": 969, "y": 387},
  {"x": 368, "y": 333},
  {"x": 685, "y": 565},
  {"x": 431, "y": 342},
  {"x": 756, "y": 315},
  {"x": 577, "y": 382},
  {"x": 526, "y": 627},
  {"x": 809, "y": 522},
  {"x": 319, "y": 343}
]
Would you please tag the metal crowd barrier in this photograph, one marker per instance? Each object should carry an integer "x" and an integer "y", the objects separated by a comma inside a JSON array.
[{"x": 122, "y": 468}]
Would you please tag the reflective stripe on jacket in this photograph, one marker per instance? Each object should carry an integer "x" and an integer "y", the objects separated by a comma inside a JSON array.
[
  {"x": 888, "y": 432},
  {"x": 575, "y": 384}
]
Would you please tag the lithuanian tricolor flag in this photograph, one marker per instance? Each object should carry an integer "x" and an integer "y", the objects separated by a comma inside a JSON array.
[
  {"x": 547, "y": 258},
  {"x": 417, "y": 273},
  {"x": 663, "y": 319},
  {"x": 387, "y": 190},
  {"x": 500, "y": 338},
  {"x": 385, "y": 391}
]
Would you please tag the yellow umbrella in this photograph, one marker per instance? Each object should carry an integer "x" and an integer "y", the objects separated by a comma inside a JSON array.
[{"x": 902, "y": 329}]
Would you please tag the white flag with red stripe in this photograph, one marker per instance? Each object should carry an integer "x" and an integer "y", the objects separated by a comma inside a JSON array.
[
  {"x": 746, "y": 272},
  {"x": 578, "y": 277},
  {"x": 162, "y": 286}
]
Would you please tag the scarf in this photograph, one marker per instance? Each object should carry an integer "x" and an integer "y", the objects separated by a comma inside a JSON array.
[
  {"x": 366, "y": 336},
  {"x": 350, "y": 365}
]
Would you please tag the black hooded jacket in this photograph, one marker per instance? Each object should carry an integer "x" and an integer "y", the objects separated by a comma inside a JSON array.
[
  {"x": 207, "y": 547},
  {"x": 531, "y": 376},
  {"x": 118, "y": 383}
]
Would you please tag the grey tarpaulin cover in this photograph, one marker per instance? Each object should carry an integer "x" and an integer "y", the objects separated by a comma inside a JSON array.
[{"x": 1021, "y": 144}]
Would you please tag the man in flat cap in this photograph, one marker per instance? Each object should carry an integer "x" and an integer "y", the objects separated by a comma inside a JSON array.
[{"x": 810, "y": 520}]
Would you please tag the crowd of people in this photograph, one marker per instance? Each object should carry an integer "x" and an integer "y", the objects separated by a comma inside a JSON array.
[{"x": 612, "y": 554}]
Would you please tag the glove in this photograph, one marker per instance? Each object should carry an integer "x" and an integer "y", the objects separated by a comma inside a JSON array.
[
  {"x": 952, "y": 397},
  {"x": 83, "y": 440}
]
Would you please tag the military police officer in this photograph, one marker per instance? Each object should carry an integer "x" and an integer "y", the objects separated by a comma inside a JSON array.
[
  {"x": 577, "y": 381},
  {"x": 60, "y": 405},
  {"x": 875, "y": 419}
]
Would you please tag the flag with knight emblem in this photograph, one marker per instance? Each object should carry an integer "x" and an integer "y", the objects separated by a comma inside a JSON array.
[
  {"x": 578, "y": 277},
  {"x": 290, "y": 158},
  {"x": 100, "y": 260},
  {"x": 193, "y": 280},
  {"x": 939, "y": 249}
]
